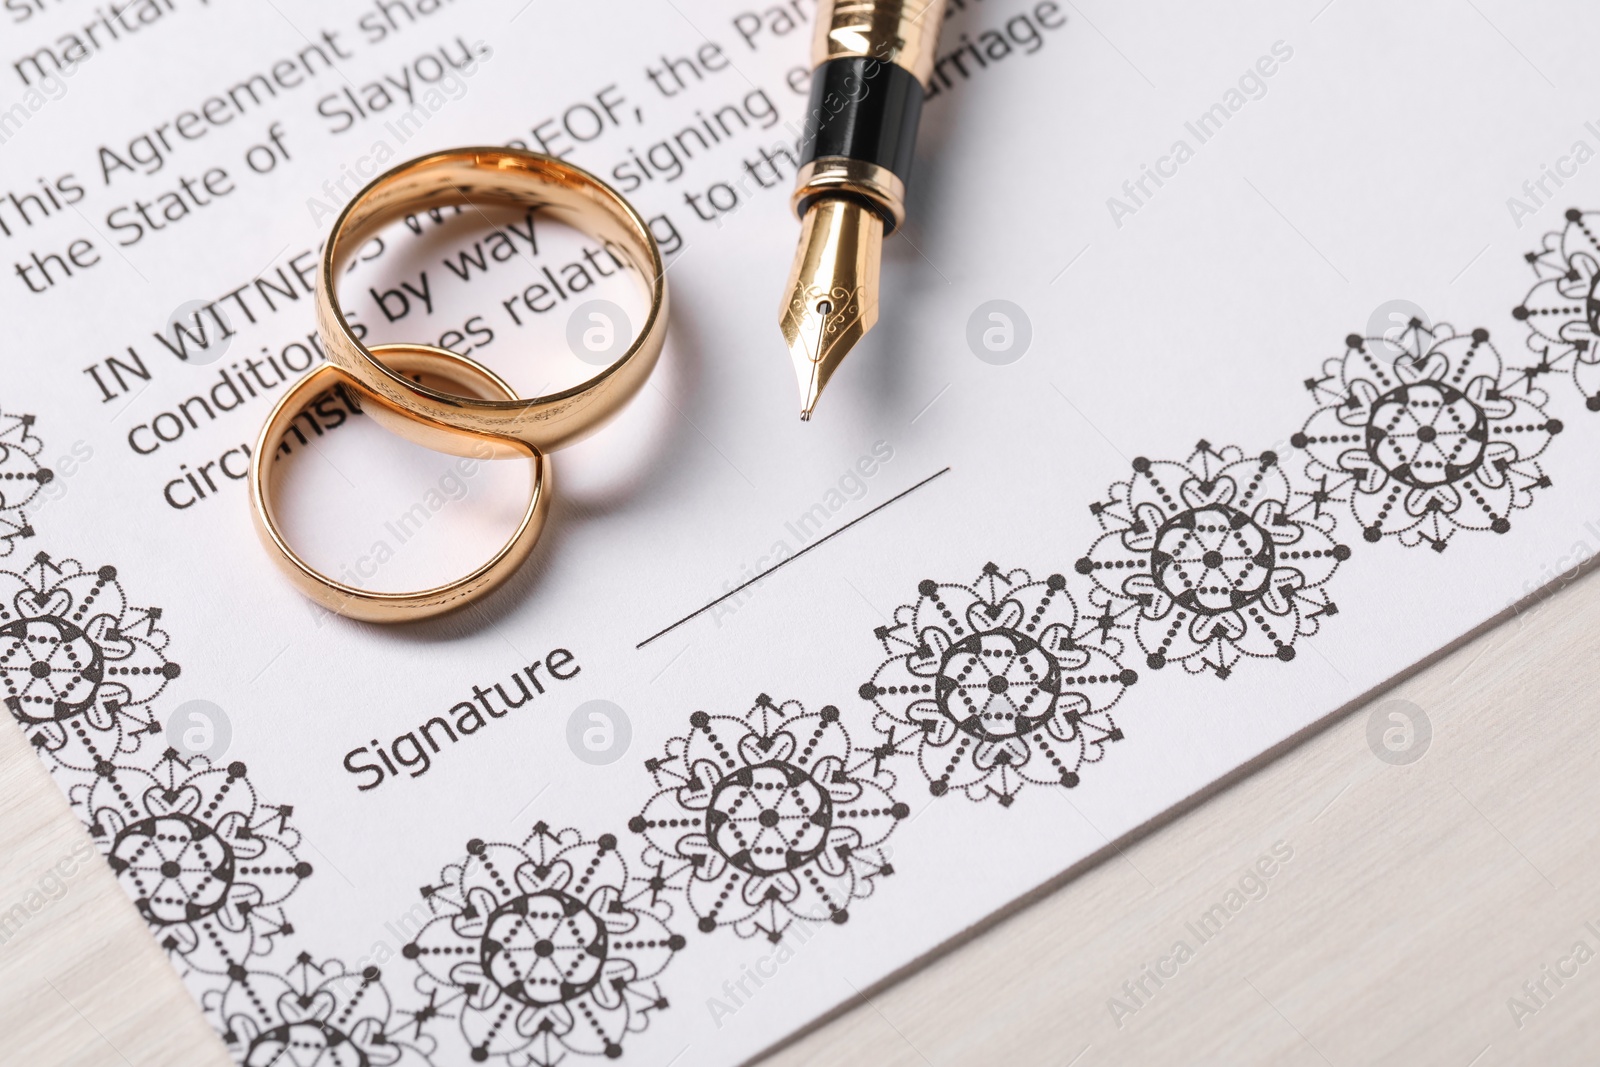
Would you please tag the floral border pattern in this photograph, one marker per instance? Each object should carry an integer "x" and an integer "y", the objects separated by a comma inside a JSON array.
[
  {"x": 998, "y": 683},
  {"x": 777, "y": 819},
  {"x": 1562, "y": 310},
  {"x": 208, "y": 864},
  {"x": 1442, "y": 440},
  {"x": 1213, "y": 559},
  {"x": 543, "y": 949},
  {"x": 768, "y": 818},
  {"x": 21, "y": 478}
]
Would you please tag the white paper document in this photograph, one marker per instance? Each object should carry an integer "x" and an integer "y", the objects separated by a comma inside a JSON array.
[{"x": 1231, "y": 363}]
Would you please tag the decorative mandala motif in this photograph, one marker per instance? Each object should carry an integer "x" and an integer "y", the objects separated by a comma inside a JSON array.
[
  {"x": 317, "y": 1016},
  {"x": 544, "y": 949},
  {"x": 77, "y": 663},
  {"x": 997, "y": 684},
  {"x": 1433, "y": 443},
  {"x": 768, "y": 818},
  {"x": 1563, "y": 310},
  {"x": 205, "y": 863},
  {"x": 20, "y": 477},
  {"x": 1213, "y": 559}
]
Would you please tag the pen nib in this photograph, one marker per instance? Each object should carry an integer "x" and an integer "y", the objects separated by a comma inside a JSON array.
[{"x": 832, "y": 297}]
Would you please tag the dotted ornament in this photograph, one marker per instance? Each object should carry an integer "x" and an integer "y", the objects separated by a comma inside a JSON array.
[
  {"x": 21, "y": 477},
  {"x": 79, "y": 666},
  {"x": 1442, "y": 439},
  {"x": 1213, "y": 559},
  {"x": 544, "y": 949},
  {"x": 1562, "y": 311},
  {"x": 768, "y": 818},
  {"x": 317, "y": 1015},
  {"x": 997, "y": 684},
  {"x": 205, "y": 862}
]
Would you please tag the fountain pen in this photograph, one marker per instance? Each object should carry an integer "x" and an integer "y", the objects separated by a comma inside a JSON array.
[{"x": 872, "y": 62}]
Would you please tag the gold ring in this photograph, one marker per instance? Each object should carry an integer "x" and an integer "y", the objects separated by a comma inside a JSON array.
[
  {"x": 353, "y": 601},
  {"x": 501, "y": 176}
]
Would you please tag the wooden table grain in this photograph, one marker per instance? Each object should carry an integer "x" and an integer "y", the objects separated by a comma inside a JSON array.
[{"x": 1416, "y": 913}]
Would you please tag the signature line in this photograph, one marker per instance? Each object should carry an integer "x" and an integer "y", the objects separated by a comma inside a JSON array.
[{"x": 785, "y": 562}]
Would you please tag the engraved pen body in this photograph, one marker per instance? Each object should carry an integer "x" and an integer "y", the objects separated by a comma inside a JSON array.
[{"x": 872, "y": 60}]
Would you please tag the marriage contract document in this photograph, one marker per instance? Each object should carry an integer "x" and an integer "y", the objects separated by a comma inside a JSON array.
[{"x": 1232, "y": 363}]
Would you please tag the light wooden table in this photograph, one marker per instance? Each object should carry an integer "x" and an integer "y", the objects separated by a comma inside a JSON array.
[{"x": 1418, "y": 900}]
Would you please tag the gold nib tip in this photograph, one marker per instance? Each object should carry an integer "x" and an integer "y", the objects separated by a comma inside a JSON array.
[
  {"x": 810, "y": 393},
  {"x": 832, "y": 299}
]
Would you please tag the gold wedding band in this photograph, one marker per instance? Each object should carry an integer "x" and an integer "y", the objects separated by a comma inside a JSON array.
[
  {"x": 402, "y": 359},
  {"x": 476, "y": 413},
  {"x": 500, "y": 176}
]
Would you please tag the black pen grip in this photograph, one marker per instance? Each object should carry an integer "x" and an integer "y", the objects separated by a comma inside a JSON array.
[{"x": 863, "y": 109}]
